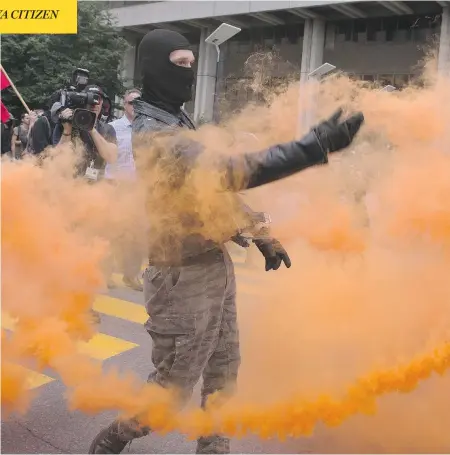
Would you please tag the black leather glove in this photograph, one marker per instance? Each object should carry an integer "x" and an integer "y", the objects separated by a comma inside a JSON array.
[
  {"x": 273, "y": 252},
  {"x": 334, "y": 135}
]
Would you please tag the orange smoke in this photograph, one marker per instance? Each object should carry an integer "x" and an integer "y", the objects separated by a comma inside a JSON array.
[{"x": 368, "y": 290}]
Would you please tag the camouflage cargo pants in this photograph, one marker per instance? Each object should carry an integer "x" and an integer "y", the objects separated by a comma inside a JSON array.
[{"x": 194, "y": 330}]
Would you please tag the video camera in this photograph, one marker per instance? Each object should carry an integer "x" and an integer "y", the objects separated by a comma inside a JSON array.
[{"x": 75, "y": 98}]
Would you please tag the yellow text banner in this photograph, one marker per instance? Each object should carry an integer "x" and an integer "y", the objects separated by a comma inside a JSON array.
[{"x": 38, "y": 17}]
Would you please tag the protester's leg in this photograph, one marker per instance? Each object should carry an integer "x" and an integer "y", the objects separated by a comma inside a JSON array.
[
  {"x": 132, "y": 260},
  {"x": 16, "y": 153},
  {"x": 133, "y": 242},
  {"x": 131, "y": 263},
  {"x": 185, "y": 306},
  {"x": 110, "y": 260},
  {"x": 220, "y": 373},
  {"x": 108, "y": 266}
]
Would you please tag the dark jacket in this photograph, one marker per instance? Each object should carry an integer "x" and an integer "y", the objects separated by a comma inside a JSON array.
[
  {"x": 6, "y": 137},
  {"x": 40, "y": 136},
  {"x": 242, "y": 172}
]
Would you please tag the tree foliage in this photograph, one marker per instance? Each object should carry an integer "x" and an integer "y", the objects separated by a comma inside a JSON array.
[{"x": 40, "y": 64}]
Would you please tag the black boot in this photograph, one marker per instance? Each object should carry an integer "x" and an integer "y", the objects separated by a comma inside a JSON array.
[{"x": 108, "y": 441}]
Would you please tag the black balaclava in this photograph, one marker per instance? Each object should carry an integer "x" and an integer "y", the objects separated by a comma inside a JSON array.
[{"x": 165, "y": 85}]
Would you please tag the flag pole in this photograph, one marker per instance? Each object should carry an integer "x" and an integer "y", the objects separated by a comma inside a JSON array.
[{"x": 15, "y": 90}]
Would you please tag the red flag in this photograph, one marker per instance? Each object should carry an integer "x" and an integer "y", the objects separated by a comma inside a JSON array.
[
  {"x": 4, "y": 81},
  {"x": 4, "y": 114}
]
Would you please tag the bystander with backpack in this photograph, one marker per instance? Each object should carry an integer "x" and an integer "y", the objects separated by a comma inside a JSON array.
[
  {"x": 41, "y": 127},
  {"x": 40, "y": 134},
  {"x": 19, "y": 139}
]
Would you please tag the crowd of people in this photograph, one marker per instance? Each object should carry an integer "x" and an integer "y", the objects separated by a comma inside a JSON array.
[
  {"x": 15, "y": 138},
  {"x": 107, "y": 155},
  {"x": 28, "y": 137}
]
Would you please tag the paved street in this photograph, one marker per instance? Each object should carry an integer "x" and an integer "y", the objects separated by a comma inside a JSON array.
[{"x": 122, "y": 341}]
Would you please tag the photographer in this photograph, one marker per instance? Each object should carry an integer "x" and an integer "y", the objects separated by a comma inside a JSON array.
[{"x": 99, "y": 141}]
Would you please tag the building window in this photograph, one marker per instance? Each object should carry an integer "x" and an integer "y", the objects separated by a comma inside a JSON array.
[
  {"x": 359, "y": 26},
  {"x": 279, "y": 33},
  {"x": 345, "y": 28},
  {"x": 373, "y": 27},
  {"x": 368, "y": 77},
  {"x": 386, "y": 79},
  {"x": 268, "y": 37},
  {"x": 293, "y": 33},
  {"x": 243, "y": 36},
  {"x": 401, "y": 80},
  {"x": 390, "y": 26},
  {"x": 257, "y": 35}
]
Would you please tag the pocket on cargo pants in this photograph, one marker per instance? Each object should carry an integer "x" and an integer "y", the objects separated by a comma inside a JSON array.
[
  {"x": 173, "y": 352},
  {"x": 159, "y": 282}
]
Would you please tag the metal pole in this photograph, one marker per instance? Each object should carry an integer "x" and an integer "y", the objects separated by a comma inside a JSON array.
[
  {"x": 11, "y": 83},
  {"x": 215, "y": 113},
  {"x": 444, "y": 42}
]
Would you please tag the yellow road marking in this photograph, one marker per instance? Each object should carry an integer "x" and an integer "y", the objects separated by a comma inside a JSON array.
[
  {"x": 120, "y": 309},
  {"x": 110, "y": 306},
  {"x": 102, "y": 347},
  {"x": 35, "y": 379}
]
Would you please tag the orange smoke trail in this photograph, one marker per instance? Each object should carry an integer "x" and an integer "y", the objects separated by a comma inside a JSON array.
[
  {"x": 14, "y": 380},
  {"x": 293, "y": 418}
]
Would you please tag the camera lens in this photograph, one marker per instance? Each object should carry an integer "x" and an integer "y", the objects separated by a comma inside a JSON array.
[
  {"x": 83, "y": 119},
  {"x": 93, "y": 99}
]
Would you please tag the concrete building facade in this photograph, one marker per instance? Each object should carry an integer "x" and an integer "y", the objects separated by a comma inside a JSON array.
[{"x": 381, "y": 41}]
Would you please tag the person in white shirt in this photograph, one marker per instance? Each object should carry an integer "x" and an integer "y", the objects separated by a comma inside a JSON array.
[{"x": 125, "y": 169}]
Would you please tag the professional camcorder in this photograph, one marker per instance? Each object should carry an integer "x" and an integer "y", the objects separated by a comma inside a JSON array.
[{"x": 75, "y": 98}]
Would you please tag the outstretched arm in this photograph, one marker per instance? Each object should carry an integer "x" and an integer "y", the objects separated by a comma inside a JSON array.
[{"x": 255, "y": 169}]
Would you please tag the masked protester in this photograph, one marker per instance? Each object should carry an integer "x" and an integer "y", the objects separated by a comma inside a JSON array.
[{"x": 191, "y": 301}]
